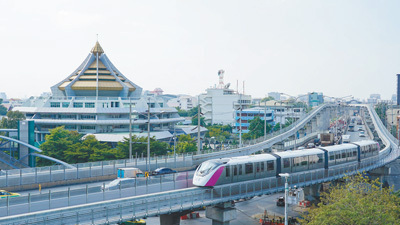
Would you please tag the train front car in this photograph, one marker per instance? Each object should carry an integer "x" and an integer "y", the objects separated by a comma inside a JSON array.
[{"x": 208, "y": 173}]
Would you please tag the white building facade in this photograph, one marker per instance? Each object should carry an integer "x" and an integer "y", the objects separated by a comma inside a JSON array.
[{"x": 218, "y": 105}]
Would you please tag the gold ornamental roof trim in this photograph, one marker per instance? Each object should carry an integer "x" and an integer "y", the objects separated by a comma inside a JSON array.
[{"x": 97, "y": 49}]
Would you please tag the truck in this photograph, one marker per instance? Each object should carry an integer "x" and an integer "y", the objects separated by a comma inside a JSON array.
[
  {"x": 327, "y": 139},
  {"x": 345, "y": 138},
  {"x": 129, "y": 172}
]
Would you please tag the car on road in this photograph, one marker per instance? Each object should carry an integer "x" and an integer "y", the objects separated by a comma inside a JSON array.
[
  {"x": 5, "y": 194},
  {"x": 310, "y": 145},
  {"x": 280, "y": 201},
  {"x": 163, "y": 170},
  {"x": 119, "y": 182},
  {"x": 361, "y": 135},
  {"x": 360, "y": 129}
]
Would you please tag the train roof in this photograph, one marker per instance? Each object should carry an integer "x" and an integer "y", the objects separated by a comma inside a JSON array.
[
  {"x": 334, "y": 148},
  {"x": 365, "y": 142},
  {"x": 252, "y": 158},
  {"x": 298, "y": 153}
]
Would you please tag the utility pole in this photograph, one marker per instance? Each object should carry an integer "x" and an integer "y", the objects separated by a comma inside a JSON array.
[
  {"x": 265, "y": 120},
  {"x": 130, "y": 130},
  {"x": 240, "y": 121},
  {"x": 148, "y": 136},
  {"x": 198, "y": 127}
]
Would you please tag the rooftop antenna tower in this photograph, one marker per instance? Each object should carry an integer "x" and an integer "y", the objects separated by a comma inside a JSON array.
[{"x": 221, "y": 79}]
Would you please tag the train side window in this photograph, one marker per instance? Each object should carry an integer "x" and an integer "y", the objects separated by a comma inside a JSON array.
[
  {"x": 332, "y": 156},
  {"x": 249, "y": 168},
  {"x": 228, "y": 171},
  {"x": 240, "y": 169},
  {"x": 286, "y": 163},
  {"x": 354, "y": 153},
  {"x": 320, "y": 158},
  {"x": 258, "y": 167},
  {"x": 234, "y": 170},
  {"x": 343, "y": 154},
  {"x": 304, "y": 161},
  {"x": 338, "y": 155},
  {"x": 270, "y": 165},
  {"x": 262, "y": 166}
]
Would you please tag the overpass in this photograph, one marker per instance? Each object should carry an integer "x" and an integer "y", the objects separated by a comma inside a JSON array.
[{"x": 169, "y": 205}]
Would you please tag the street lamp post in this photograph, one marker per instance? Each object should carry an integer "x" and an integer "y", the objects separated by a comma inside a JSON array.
[
  {"x": 285, "y": 175},
  {"x": 265, "y": 120},
  {"x": 148, "y": 137},
  {"x": 130, "y": 130}
]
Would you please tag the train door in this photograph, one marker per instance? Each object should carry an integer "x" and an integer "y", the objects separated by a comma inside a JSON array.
[{"x": 235, "y": 174}]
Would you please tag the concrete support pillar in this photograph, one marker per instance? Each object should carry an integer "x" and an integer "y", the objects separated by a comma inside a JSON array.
[
  {"x": 309, "y": 127},
  {"x": 173, "y": 218},
  {"x": 314, "y": 127},
  {"x": 170, "y": 219},
  {"x": 221, "y": 214},
  {"x": 311, "y": 192}
]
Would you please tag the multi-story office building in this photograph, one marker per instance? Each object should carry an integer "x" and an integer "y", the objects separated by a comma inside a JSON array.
[
  {"x": 243, "y": 118},
  {"x": 315, "y": 99},
  {"x": 97, "y": 98},
  {"x": 219, "y": 104}
]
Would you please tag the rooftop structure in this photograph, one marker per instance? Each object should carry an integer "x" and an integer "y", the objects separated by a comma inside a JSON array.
[
  {"x": 96, "y": 76},
  {"x": 98, "y": 99}
]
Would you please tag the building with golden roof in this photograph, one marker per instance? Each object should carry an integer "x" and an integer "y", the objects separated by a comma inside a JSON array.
[
  {"x": 98, "y": 99},
  {"x": 96, "y": 76}
]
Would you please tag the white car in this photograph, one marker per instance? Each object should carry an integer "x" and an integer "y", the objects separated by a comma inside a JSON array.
[{"x": 120, "y": 182}]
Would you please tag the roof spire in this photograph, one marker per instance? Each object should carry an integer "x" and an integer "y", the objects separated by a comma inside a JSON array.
[{"x": 97, "y": 48}]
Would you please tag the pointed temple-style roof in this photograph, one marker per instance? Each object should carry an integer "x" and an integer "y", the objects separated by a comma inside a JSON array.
[
  {"x": 97, "y": 49},
  {"x": 96, "y": 76}
]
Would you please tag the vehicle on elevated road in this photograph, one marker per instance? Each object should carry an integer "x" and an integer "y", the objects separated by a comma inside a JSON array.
[
  {"x": 5, "y": 194},
  {"x": 237, "y": 169}
]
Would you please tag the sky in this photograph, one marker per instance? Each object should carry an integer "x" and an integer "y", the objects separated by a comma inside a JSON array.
[{"x": 340, "y": 48}]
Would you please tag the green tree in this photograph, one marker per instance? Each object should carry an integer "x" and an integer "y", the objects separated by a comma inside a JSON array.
[
  {"x": 359, "y": 201},
  {"x": 3, "y": 110},
  {"x": 256, "y": 128},
  {"x": 57, "y": 143},
  {"x": 380, "y": 109},
  {"x": 12, "y": 119},
  {"x": 186, "y": 144},
  {"x": 195, "y": 121},
  {"x": 266, "y": 99},
  {"x": 88, "y": 150},
  {"x": 139, "y": 146},
  {"x": 182, "y": 113}
]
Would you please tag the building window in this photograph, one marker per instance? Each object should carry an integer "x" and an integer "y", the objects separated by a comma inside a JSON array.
[
  {"x": 54, "y": 104},
  {"x": 88, "y": 127},
  {"x": 88, "y": 117},
  {"x": 68, "y": 117},
  {"x": 70, "y": 127},
  {"x": 78, "y": 105},
  {"x": 89, "y": 104}
]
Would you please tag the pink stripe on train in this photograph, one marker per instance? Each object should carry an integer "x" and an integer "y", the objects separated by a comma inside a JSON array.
[{"x": 213, "y": 180}]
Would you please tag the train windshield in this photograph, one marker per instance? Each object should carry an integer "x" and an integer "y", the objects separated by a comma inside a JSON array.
[{"x": 206, "y": 167}]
